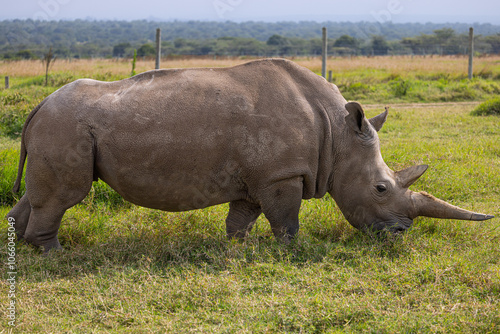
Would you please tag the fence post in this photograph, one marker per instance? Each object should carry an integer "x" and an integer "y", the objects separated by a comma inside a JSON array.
[
  {"x": 330, "y": 75},
  {"x": 471, "y": 51},
  {"x": 6, "y": 82},
  {"x": 324, "y": 53},
  {"x": 158, "y": 48}
]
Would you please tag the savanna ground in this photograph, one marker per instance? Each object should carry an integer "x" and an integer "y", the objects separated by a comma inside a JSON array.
[{"x": 131, "y": 269}]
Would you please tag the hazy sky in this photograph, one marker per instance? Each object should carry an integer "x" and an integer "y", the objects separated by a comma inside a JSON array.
[{"x": 484, "y": 11}]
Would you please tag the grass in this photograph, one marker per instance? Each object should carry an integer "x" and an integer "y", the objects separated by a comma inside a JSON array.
[
  {"x": 132, "y": 269},
  {"x": 490, "y": 107}
]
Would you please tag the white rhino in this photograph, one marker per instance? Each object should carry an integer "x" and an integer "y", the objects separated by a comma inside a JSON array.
[{"x": 261, "y": 136}]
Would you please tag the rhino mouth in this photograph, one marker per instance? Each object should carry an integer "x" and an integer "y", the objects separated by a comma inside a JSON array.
[{"x": 399, "y": 225}]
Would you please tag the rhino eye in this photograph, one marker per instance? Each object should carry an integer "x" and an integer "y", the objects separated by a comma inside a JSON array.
[{"x": 381, "y": 188}]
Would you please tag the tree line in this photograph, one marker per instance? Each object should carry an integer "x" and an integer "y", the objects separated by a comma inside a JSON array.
[{"x": 27, "y": 39}]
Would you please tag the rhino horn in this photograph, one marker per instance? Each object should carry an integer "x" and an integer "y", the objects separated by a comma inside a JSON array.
[
  {"x": 429, "y": 206},
  {"x": 378, "y": 121},
  {"x": 408, "y": 176}
]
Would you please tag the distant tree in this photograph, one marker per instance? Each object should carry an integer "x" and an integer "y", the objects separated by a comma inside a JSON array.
[
  {"x": 8, "y": 55},
  {"x": 85, "y": 39},
  {"x": 48, "y": 59},
  {"x": 346, "y": 45},
  {"x": 413, "y": 43},
  {"x": 277, "y": 40},
  {"x": 494, "y": 41},
  {"x": 379, "y": 45},
  {"x": 187, "y": 46},
  {"x": 346, "y": 41},
  {"x": 207, "y": 48},
  {"x": 146, "y": 50},
  {"x": 315, "y": 46},
  {"x": 167, "y": 47},
  {"x": 120, "y": 49},
  {"x": 279, "y": 44},
  {"x": 26, "y": 54},
  {"x": 445, "y": 41},
  {"x": 180, "y": 42},
  {"x": 63, "y": 52},
  {"x": 444, "y": 35}
]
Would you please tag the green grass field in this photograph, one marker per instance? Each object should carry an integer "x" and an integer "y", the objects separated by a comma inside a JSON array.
[{"x": 136, "y": 270}]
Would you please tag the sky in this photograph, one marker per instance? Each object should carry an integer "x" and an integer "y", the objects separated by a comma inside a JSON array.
[{"x": 397, "y": 11}]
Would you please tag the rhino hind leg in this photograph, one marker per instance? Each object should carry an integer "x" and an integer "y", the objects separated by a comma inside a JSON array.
[
  {"x": 21, "y": 214},
  {"x": 241, "y": 218},
  {"x": 43, "y": 227},
  {"x": 281, "y": 205},
  {"x": 54, "y": 184},
  {"x": 46, "y": 215}
]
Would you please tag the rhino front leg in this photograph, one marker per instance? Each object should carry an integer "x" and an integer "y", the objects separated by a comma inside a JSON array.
[
  {"x": 21, "y": 214},
  {"x": 281, "y": 204},
  {"x": 241, "y": 218}
]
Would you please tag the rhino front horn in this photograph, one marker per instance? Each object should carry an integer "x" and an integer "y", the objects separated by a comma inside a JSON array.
[{"x": 429, "y": 206}]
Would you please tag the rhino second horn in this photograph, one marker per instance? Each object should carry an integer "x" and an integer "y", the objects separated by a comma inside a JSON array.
[
  {"x": 408, "y": 176},
  {"x": 429, "y": 206},
  {"x": 378, "y": 121}
]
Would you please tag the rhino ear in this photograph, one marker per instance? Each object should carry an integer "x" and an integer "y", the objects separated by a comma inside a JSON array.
[
  {"x": 378, "y": 121},
  {"x": 356, "y": 119}
]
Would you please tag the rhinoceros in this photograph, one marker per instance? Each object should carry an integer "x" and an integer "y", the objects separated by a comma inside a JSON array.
[{"x": 262, "y": 136}]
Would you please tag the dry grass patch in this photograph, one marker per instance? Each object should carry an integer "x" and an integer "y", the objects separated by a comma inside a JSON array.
[{"x": 398, "y": 65}]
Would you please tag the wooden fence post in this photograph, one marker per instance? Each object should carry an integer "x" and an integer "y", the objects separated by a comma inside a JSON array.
[
  {"x": 330, "y": 75},
  {"x": 6, "y": 82},
  {"x": 324, "y": 53},
  {"x": 471, "y": 51},
  {"x": 158, "y": 48}
]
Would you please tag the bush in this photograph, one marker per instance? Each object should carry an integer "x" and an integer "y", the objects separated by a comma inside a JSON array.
[
  {"x": 9, "y": 160},
  {"x": 400, "y": 87},
  {"x": 490, "y": 107},
  {"x": 14, "y": 108}
]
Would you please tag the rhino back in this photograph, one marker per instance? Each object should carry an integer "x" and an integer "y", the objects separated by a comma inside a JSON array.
[{"x": 184, "y": 139}]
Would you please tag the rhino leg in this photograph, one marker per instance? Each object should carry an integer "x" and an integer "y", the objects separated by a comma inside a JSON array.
[
  {"x": 281, "y": 204},
  {"x": 43, "y": 227},
  {"x": 46, "y": 213},
  {"x": 241, "y": 218},
  {"x": 55, "y": 182},
  {"x": 21, "y": 214}
]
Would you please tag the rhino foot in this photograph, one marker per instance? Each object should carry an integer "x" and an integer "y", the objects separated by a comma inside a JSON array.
[{"x": 51, "y": 247}]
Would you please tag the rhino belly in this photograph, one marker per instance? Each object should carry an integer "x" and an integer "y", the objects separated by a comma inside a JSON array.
[{"x": 169, "y": 181}]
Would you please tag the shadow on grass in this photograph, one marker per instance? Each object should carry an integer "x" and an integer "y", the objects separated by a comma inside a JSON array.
[{"x": 167, "y": 250}]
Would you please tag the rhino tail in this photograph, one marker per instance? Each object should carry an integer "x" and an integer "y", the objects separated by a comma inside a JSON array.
[{"x": 24, "y": 153}]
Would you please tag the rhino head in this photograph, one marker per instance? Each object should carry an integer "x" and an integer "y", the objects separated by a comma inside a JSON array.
[{"x": 372, "y": 196}]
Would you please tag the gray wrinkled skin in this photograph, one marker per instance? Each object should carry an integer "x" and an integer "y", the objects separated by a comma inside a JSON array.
[{"x": 262, "y": 136}]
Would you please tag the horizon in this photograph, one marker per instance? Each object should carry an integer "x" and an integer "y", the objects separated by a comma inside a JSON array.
[
  {"x": 238, "y": 11},
  {"x": 172, "y": 20}
]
